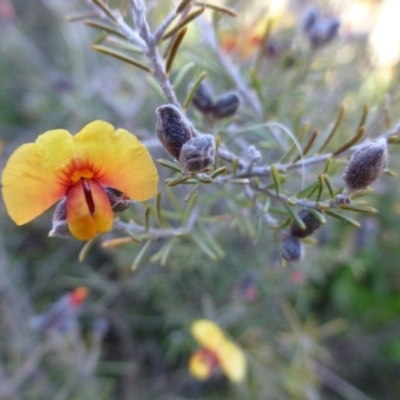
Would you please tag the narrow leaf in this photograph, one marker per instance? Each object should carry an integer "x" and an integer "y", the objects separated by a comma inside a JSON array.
[
  {"x": 183, "y": 23},
  {"x": 219, "y": 171},
  {"x": 296, "y": 217},
  {"x": 320, "y": 186},
  {"x": 85, "y": 249},
  {"x": 191, "y": 192},
  {"x": 358, "y": 208},
  {"x": 104, "y": 27},
  {"x": 276, "y": 178},
  {"x": 147, "y": 212},
  {"x": 221, "y": 9},
  {"x": 182, "y": 74},
  {"x": 320, "y": 217},
  {"x": 329, "y": 185},
  {"x": 116, "y": 242},
  {"x": 203, "y": 246},
  {"x": 333, "y": 130},
  {"x": 342, "y": 217},
  {"x": 173, "y": 49},
  {"x": 308, "y": 191},
  {"x": 104, "y": 7},
  {"x": 120, "y": 56},
  {"x": 156, "y": 87},
  {"x": 359, "y": 134},
  {"x": 176, "y": 181},
  {"x": 204, "y": 178},
  {"x": 193, "y": 90},
  {"x": 308, "y": 145},
  {"x": 140, "y": 255},
  {"x": 158, "y": 209},
  {"x": 169, "y": 164}
]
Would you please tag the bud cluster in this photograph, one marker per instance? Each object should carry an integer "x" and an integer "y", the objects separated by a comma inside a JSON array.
[
  {"x": 225, "y": 106},
  {"x": 194, "y": 153}
]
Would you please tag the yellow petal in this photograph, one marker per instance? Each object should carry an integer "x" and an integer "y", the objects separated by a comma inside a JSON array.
[
  {"x": 32, "y": 178},
  {"x": 232, "y": 361},
  {"x": 88, "y": 217},
  {"x": 119, "y": 160},
  {"x": 199, "y": 367},
  {"x": 208, "y": 334}
]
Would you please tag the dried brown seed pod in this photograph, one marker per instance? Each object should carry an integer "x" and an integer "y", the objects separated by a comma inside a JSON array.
[
  {"x": 198, "y": 154},
  {"x": 226, "y": 105},
  {"x": 203, "y": 98},
  {"x": 291, "y": 249},
  {"x": 172, "y": 129},
  {"x": 310, "y": 221},
  {"x": 365, "y": 166}
]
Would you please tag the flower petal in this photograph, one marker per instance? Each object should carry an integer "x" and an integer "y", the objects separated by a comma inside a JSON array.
[
  {"x": 232, "y": 361},
  {"x": 32, "y": 179},
  {"x": 208, "y": 334},
  {"x": 119, "y": 160},
  {"x": 199, "y": 367},
  {"x": 83, "y": 222}
]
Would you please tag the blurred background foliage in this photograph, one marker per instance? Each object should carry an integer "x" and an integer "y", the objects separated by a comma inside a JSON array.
[{"x": 327, "y": 328}]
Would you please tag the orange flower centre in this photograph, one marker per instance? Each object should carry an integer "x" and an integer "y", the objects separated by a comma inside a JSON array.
[{"x": 209, "y": 358}]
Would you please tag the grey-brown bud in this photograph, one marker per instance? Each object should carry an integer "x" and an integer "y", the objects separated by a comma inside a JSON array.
[
  {"x": 59, "y": 222},
  {"x": 198, "y": 154},
  {"x": 366, "y": 165},
  {"x": 291, "y": 249},
  {"x": 119, "y": 201},
  {"x": 310, "y": 17},
  {"x": 310, "y": 221},
  {"x": 226, "y": 105},
  {"x": 172, "y": 129},
  {"x": 322, "y": 32},
  {"x": 203, "y": 98}
]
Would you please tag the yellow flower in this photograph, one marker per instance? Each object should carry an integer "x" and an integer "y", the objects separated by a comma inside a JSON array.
[
  {"x": 216, "y": 351},
  {"x": 58, "y": 164}
]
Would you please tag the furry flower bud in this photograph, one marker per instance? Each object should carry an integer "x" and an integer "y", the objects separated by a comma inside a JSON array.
[
  {"x": 119, "y": 201},
  {"x": 310, "y": 17},
  {"x": 226, "y": 105},
  {"x": 366, "y": 165},
  {"x": 198, "y": 154},
  {"x": 291, "y": 249},
  {"x": 322, "y": 32},
  {"x": 172, "y": 129},
  {"x": 310, "y": 221},
  {"x": 203, "y": 98},
  {"x": 59, "y": 222}
]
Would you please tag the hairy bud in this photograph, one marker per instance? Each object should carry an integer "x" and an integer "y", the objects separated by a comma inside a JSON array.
[
  {"x": 310, "y": 221},
  {"x": 310, "y": 17},
  {"x": 59, "y": 222},
  {"x": 198, "y": 154},
  {"x": 203, "y": 98},
  {"x": 291, "y": 249},
  {"x": 366, "y": 165},
  {"x": 119, "y": 201},
  {"x": 323, "y": 32},
  {"x": 226, "y": 105},
  {"x": 172, "y": 129}
]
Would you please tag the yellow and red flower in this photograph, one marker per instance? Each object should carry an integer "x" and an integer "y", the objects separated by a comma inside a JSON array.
[
  {"x": 217, "y": 352},
  {"x": 78, "y": 168}
]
